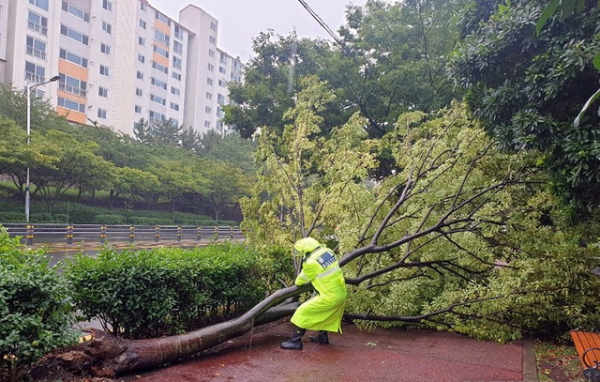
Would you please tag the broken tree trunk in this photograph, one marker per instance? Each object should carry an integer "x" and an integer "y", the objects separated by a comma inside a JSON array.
[{"x": 108, "y": 356}]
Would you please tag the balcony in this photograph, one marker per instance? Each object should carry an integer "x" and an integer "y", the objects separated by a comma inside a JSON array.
[
  {"x": 72, "y": 90},
  {"x": 38, "y": 28},
  {"x": 36, "y": 52},
  {"x": 35, "y": 78}
]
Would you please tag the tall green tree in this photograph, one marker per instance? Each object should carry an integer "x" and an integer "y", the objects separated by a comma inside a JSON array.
[
  {"x": 393, "y": 58},
  {"x": 230, "y": 148},
  {"x": 73, "y": 164},
  {"x": 160, "y": 132},
  {"x": 528, "y": 88},
  {"x": 299, "y": 203},
  {"x": 270, "y": 81}
]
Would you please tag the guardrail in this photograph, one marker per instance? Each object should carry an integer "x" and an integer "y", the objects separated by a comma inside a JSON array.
[{"x": 105, "y": 234}]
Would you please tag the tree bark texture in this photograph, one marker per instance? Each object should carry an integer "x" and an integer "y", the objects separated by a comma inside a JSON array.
[{"x": 108, "y": 356}]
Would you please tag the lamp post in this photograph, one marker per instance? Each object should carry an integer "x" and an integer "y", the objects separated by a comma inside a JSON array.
[{"x": 29, "y": 89}]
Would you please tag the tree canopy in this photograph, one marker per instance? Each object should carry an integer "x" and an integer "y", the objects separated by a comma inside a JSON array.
[
  {"x": 528, "y": 88},
  {"x": 166, "y": 164}
]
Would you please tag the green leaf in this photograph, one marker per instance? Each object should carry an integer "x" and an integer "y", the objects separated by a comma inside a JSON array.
[
  {"x": 548, "y": 12},
  {"x": 591, "y": 100},
  {"x": 597, "y": 61}
]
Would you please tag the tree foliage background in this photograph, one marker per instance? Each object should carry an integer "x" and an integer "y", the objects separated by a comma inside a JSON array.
[
  {"x": 474, "y": 217},
  {"x": 165, "y": 165}
]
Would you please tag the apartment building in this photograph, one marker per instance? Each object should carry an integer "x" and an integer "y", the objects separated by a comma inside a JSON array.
[{"x": 119, "y": 61}]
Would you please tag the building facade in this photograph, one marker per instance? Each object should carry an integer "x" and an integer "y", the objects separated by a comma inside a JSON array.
[{"x": 119, "y": 61}]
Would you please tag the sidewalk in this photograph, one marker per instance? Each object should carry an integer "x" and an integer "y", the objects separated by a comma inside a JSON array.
[{"x": 355, "y": 356}]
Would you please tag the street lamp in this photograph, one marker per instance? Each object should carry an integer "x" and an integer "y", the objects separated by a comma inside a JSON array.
[{"x": 29, "y": 89}]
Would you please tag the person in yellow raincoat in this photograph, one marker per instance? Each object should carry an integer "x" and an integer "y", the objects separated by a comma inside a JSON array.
[{"x": 324, "y": 311}]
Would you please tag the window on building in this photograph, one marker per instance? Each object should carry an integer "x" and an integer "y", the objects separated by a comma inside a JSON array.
[
  {"x": 161, "y": 37},
  {"x": 209, "y": 81},
  {"x": 75, "y": 11},
  {"x": 74, "y": 58},
  {"x": 157, "y": 99},
  {"x": 211, "y": 53},
  {"x": 105, "y": 48},
  {"x": 37, "y": 23},
  {"x": 213, "y": 25},
  {"x": 106, "y": 27},
  {"x": 101, "y": 113},
  {"x": 207, "y": 109},
  {"x": 102, "y": 92},
  {"x": 160, "y": 67},
  {"x": 104, "y": 70},
  {"x": 70, "y": 104},
  {"x": 156, "y": 116},
  {"x": 137, "y": 109},
  {"x": 139, "y": 92},
  {"x": 141, "y": 41},
  {"x": 178, "y": 32},
  {"x": 161, "y": 51},
  {"x": 177, "y": 76},
  {"x": 142, "y": 6},
  {"x": 174, "y": 106},
  {"x": 212, "y": 39},
  {"x": 72, "y": 85},
  {"x": 177, "y": 47},
  {"x": 141, "y": 58},
  {"x": 222, "y": 83},
  {"x": 222, "y": 70},
  {"x": 175, "y": 90},
  {"x": 221, "y": 99},
  {"x": 208, "y": 95},
  {"x": 177, "y": 63},
  {"x": 163, "y": 18},
  {"x": 139, "y": 75},
  {"x": 107, "y": 5},
  {"x": 40, "y": 3},
  {"x": 34, "y": 73},
  {"x": 159, "y": 83},
  {"x": 207, "y": 124},
  {"x": 142, "y": 24},
  {"x": 223, "y": 58},
  {"x": 75, "y": 35},
  {"x": 36, "y": 48},
  {"x": 211, "y": 67}
]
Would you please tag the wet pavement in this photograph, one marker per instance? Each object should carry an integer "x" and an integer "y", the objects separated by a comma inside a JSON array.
[{"x": 355, "y": 356}]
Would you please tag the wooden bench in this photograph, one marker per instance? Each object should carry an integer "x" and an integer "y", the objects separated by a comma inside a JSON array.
[{"x": 588, "y": 349}]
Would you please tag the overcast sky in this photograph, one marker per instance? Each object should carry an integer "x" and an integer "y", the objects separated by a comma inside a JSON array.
[{"x": 241, "y": 20}]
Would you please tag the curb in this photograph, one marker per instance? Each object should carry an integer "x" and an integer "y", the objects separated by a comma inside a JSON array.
[{"x": 529, "y": 361}]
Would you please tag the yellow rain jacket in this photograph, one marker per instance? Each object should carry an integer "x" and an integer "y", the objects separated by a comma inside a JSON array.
[{"x": 323, "y": 311}]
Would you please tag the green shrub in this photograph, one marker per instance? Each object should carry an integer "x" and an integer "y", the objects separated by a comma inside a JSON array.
[
  {"x": 12, "y": 217},
  {"x": 34, "y": 315},
  {"x": 149, "y": 293},
  {"x": 109, "y": 219},
  {"x": 139, "y": 220}
]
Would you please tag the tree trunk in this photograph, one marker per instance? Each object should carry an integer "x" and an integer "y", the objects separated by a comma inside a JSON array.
[{"x": 108, "y": 356}]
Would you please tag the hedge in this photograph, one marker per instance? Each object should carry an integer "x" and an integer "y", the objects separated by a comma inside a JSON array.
[
  {"x": 35, "y": 317},
  {"x": 149, "y": 293}
]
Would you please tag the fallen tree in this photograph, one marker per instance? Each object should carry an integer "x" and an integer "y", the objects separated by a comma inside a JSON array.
[{"x": 461, "y": 235}]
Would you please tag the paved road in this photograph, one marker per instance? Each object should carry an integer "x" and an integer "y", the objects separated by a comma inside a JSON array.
[{"x": 356, "y": 356}]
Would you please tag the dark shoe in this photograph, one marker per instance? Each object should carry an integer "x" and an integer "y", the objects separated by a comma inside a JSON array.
[
  {"x": 295, "y": 343},
  {"x": 321, "y": 338}
]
